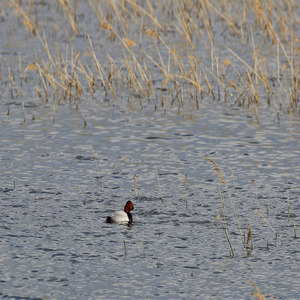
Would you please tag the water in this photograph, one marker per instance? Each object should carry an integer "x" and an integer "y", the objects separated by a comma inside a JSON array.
[{"x": 55, "y": 246}]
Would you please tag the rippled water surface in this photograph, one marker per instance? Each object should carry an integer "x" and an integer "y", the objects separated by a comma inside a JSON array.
[
  {"x": 52, "y": 245},
  {"x": 60, "y": 179}
]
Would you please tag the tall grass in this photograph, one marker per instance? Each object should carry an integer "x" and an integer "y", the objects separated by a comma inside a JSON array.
[{"x": 245, "y": 53}]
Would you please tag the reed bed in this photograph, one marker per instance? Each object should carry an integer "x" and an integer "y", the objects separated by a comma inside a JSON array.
[
  {"x": 165, "y": 54},
  {"x": 169, "y": 54}
]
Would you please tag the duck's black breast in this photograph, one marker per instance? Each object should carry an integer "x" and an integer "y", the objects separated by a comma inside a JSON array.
[
  {"x": 129, "y": 217},
  {"x": 108, "y": 219}
]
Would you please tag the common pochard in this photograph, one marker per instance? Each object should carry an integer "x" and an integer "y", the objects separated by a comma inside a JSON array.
[{"x": 121, "y": 216}]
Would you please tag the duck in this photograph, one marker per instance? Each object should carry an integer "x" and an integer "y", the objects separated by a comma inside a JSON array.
[{"x": 122, "y": 216}]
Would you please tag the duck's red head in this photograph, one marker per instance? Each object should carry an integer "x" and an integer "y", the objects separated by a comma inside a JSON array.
[{"x": 128, "y": 206}]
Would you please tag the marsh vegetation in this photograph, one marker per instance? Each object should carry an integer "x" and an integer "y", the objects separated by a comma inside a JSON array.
[
  {"x": 188, "y": 108},
  {"x": 168, "y": 54}
]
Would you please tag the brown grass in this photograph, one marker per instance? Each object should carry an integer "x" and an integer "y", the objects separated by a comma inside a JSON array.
[{"x": 264, "y": 72}]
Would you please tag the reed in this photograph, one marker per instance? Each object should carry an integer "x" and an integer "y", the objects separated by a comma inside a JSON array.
[
  {"x": 11, "y": 81},
  {"x": 277, "y": 236},
  {"x": 257, "y": 294},
  {"x": 223, "y": 183},
  {"x": 196, "y": 68},
  {"x": 84, "y": 121},
  {"x": 38, "y": 210},
  {"x": 222, "y": 218},
  {"x": 98, "y": 170},
  {"x": 249, "y": 242},
  {"x": 159, "y": 187},
  {"x": 158, "y": 263},
  {"x": 1, "y": 77},
  {"x": 186, "y": 190},
  {"x": 288, "y": 204},
  {"x": 13, "y": 174},
  {"x": 135, "y": 179},
  {"x": 125, "y": 248},
  {"x": 82, "y": 196},
  {"x": 256, "y": 199},
  {"x": 53, "y": 112},
  {"x": 70, "y": 13},
  {"x": 224, "y": 226},
  {"x": 143, "y": 250},
  {"x": 24, "y": 113}
]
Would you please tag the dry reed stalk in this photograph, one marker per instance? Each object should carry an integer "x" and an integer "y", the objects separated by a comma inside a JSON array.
[
  {"x": 116, "y": 12},
  {"x": 255, "y": 58},
  {"x": 228, "y": 20},
  {"x": 125, "y": 249},
  {"x": 28, "y": 24},
  {"x": 218, "y": 80},
  {"x": 24, "y": 113},
  {"x": 207, "y": 82},
  {"x": 1, "y": 78},
  {"x": 140, "y": 10},
  {"x": 10, "y": 81},
  {"x": 194, "y": 20},
  {"x": 295, "y": 235},
  {"x": 133, "y": 81},
  {"x": 256, "y": 199},
  {"x": 158, "y": 263},
  {"x": 21, "y": 74},
  {"x": 288, "y": 203},
  {"x": 65, "y": 81},
  {"x": 233, "y": 179},
  {"x": 244, "y": 63},
  {"x": 82, "y": 196},
  {"x": 100, "y": 70},
  {"x": 266, "y": 220},
  {"x": 249, "y": 237},
  {"x": 223, "y": 220},
  {"x": 224, "y": 226},
  {"x": 136, "y": 183},
  {"x": 186, "y": 190},
  {"x": 133, "y": 76},
  {"x": 98, "y": 170},
  {"x": 44, "y": 69},
  {"x": 223, "y": 183},
  {"x": 38, "y": 91},
  {"x": 277, "y": 59},
  {"x": 44, "y": 73},
  {"x": 225, "y": 84},
  {"x": 218, "y": 169},
  {"x": 89, "y": 77},
  {"x": 13, "y": 174},
  {"x": 183, "y": 18},
  {"x": 42, "y": 77},
  {"x": 159, "y": 188},
  {"x": 293, "y": 79},
  {"x": 154, "y": 35},
  {"x": 84, "y": 121},
  {"x": 143, "y": 250},
  {"x": 257, "y": 294},
  {"x": 38, "y": 210},
  {"x": 53, "y": 111},
  {"x": 71, "y": 80},
  {"x": 67, "y": 7}
]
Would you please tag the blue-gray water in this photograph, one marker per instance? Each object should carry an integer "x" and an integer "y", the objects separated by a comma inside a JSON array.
[{"x": 53, "y": 246}]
